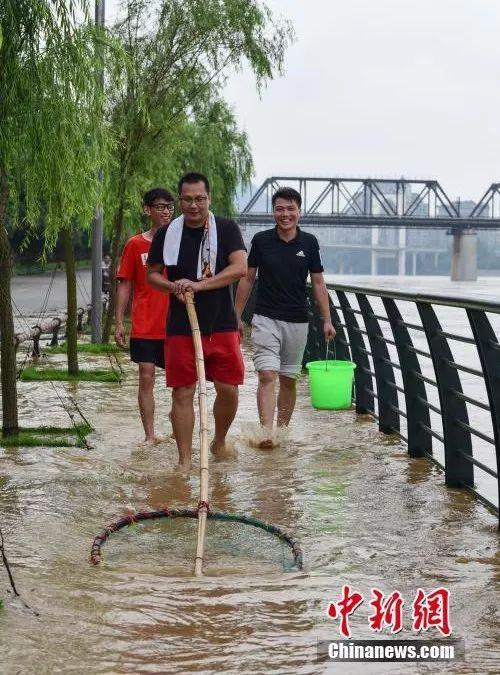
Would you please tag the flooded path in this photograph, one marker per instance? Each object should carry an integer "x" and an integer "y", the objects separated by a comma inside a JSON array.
[{"x": 365, "y": 514}]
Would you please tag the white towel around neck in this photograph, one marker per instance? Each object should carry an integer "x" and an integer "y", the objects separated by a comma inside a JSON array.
[{"x": 173, "y": 238}]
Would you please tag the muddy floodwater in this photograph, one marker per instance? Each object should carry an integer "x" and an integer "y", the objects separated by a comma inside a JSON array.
[{"x": 366, "y": 515}]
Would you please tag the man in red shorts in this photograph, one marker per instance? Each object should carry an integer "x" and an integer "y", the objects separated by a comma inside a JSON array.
[
  {"x": 149, "y": 306},
  {"x": 204, "y": 254}
]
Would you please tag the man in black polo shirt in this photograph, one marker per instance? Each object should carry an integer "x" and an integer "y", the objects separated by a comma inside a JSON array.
[
  {"x": 284, "y": 257},
  {"x": 204, "y": 254}
]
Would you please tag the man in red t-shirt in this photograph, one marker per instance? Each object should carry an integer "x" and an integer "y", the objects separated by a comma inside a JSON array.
[{"x": 149, "y": 306}]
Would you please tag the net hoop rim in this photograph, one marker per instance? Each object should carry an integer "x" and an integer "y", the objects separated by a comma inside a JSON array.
[{"x": 125, "y": 521}]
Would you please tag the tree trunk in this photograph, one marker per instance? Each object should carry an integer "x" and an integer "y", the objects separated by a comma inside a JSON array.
[
  {"x": 10, "y": 423},
  {"x": 115, "y": 249},
  {"x": 72, "y": 319}
]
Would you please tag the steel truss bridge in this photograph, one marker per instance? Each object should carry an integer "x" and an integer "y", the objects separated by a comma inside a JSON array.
[{"x": 373, "y": 202}]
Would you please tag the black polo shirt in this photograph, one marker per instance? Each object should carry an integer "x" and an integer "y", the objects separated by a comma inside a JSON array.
[
  {"x": 215, "y": 308},
  {"x": 283, "y": 270}
]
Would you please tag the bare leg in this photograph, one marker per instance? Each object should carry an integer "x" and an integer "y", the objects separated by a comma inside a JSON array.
[
  {"x": 183, "y": 423},
  {"x": 225, "y": 408},
  {"x": 146, "y": 399},
  {"x": 266, "y": 397},
  {"x": 286, "y": 400},
  {"x": 172, "y": 435},
  {"x": 266, "y": 402}
]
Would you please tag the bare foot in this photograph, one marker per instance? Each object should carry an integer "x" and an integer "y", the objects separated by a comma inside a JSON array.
[
  {"x": 267, "y": 444},
  {"x": 222, "y": 450},
  {"x": 152, "y": 440},
  {"x": 184, "y": 468}
]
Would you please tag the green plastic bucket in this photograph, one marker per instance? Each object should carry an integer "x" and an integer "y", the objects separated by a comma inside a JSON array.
[{"x": 330, "y": 384}]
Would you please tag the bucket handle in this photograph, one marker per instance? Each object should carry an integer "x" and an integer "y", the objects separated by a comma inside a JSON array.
[{"x": 334, "y": 352}]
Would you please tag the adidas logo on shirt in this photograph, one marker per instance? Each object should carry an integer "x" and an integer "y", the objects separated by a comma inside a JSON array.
[{"x": 301, "y": 254}]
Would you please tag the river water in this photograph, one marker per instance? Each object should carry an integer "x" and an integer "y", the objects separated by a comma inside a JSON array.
[{"x": 365, "y": 514}]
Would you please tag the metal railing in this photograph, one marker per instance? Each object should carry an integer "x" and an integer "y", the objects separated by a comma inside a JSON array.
[{"x": 400, "y": 362}]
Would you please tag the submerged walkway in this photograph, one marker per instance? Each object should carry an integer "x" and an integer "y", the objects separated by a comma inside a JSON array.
[
  {"x": 41, "y": 296},
  {"x": 365, "y": 513}
]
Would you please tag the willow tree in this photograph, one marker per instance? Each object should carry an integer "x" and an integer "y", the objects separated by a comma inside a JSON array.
[
  {"x": 47, "y": 95},
  {"x": 214, "y": 145},
  {"x": 179, "y": 54}
]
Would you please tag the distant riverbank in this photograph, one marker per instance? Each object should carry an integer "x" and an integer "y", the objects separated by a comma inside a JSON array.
[
  {"x": 29, "y": 291},
  {"x": 23, "y": 269}
]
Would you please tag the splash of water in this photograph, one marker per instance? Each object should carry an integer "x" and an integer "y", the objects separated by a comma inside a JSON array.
[{"x": 255, "y": 434}]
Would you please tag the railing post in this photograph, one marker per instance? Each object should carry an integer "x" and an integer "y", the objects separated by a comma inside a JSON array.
[
  {"x": 388, "y": 415},
  {"x": 489, "y": 354},
  {"x": 458, "y": 471},
  {"x": 362, "y": 375},
  {"x": 419, "y": 441}
]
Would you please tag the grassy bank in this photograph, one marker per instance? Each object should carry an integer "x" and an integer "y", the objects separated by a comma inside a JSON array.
[
  {"x": 88, "y": 348},
  {"x": 54, "y": 437},
  {"x": 33, "y": 374}
]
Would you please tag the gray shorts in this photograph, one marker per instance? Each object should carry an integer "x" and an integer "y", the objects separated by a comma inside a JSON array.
[{"x": 278, "y": 345}]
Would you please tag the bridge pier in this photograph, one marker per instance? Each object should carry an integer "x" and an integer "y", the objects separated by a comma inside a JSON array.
[
  {"x": 399, "y": 251},
  {"x": 464, "y": 255},
  {"x": 374, "y": 257},
  {"x": 414, "y": 263},
  {"x": 402, "y": 252}
]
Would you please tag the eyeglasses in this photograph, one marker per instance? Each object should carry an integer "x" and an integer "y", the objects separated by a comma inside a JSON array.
[
  {"x": 285, "y": 209},
  {"x": 189, "y": 201},
  {"x": 163, "y": 207}
]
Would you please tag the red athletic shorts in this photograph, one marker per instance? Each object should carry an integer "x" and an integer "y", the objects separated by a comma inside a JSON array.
[{"x": 222, "y": 354}]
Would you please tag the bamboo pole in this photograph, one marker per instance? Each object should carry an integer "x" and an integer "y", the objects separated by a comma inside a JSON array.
[{"x": 202, "y": 402}]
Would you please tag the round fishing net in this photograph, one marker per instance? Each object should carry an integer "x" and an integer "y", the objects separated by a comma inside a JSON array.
[{"x": 233, "y": 543}]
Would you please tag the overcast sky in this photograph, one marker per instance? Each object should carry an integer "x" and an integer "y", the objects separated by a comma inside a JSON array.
[{"x": 383, "y": 88}]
